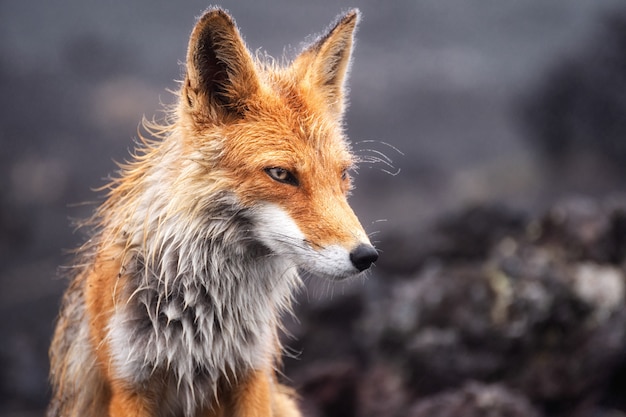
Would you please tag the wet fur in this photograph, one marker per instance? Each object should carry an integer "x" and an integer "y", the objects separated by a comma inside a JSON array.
[{"x": 175, "y": 300}]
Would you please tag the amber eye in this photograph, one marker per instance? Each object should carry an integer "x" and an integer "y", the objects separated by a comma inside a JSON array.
[{"x": 282, "y": 175}]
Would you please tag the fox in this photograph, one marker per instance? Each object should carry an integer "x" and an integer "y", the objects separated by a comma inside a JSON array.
[{"x": 175, "y": 300}]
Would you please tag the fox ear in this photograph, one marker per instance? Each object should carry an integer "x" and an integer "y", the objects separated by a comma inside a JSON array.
[
  {"x": 221, "y": 74},
  {"x": 324, "y": 65}
]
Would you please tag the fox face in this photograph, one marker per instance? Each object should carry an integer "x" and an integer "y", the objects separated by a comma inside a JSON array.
[{"x": 279, "y": 139}]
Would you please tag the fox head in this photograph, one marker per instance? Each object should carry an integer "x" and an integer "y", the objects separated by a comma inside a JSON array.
[{"x": 273, "y": 136}]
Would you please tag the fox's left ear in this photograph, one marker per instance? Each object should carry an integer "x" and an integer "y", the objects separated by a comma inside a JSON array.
[{"x": 324, "y": 66}]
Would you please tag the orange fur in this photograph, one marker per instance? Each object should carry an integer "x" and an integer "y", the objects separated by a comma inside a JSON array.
[{"x": 174, "y": 309}]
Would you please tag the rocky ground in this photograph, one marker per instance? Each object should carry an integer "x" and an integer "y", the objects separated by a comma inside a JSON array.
[{"x": 490, "y": 312}]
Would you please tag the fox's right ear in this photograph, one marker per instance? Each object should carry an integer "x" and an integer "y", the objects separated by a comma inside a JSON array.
[
  {"x": 325, "y": 64},
  {"x": 221, "y": 74}
]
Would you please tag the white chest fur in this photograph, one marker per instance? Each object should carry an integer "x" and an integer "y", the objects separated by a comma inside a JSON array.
[{"x": 199, "y": 315}]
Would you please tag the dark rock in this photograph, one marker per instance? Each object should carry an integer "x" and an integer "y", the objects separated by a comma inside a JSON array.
[
  {"x": 531, "y": 323},
  {"x": 584, "y": 229},
  {"x": 463, "y": 236},
  {"x": 330, "y": 389},
  {"x": 382, "y": 392},
  {"x": 475, "y": 400}
]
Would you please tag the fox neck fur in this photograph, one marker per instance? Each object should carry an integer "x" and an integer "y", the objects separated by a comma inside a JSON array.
[{"x": 200, "y": 314}]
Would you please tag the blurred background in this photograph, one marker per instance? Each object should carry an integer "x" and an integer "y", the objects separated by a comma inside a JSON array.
[{"x": 488, "y": 113}]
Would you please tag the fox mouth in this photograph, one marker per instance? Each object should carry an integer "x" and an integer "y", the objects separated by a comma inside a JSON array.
[
  {"x": 331, "y": 263},
  {"x": 276, "y": 230},
  {"x": 329, "y": 277},
  {"x": 335, "y": 263}
]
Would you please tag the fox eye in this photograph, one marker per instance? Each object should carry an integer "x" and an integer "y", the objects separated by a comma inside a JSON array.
[
  {"x": 282, "y": 175},
  {"x": 344, "y": 175}
]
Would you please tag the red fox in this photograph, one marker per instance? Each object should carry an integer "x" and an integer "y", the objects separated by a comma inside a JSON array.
[{"x": 175, "y": 303}]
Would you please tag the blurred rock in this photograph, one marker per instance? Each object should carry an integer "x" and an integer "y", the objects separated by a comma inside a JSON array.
[
  {"x": 329, "y": 389},
  {"x": 586, "y": 229},
  {"x": 382, "y": 392},
  {"x": 475, "y": 400},
  {"x": 505, "y": 314},
  {"x": 460, "y": 236}
]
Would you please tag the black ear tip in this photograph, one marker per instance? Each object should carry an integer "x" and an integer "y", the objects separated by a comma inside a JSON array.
[
  {"x": 215, "y": 14},
  {"x": 348, "y": 21},
  {"x": 351, "y": 15}
]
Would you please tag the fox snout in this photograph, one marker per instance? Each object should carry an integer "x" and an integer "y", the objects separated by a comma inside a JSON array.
[
  {"x": 334, "y": 260},
  {"x": 363, "y": 256}
]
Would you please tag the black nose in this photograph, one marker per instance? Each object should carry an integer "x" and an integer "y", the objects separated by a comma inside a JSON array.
[{"x": 363, "y": 256}]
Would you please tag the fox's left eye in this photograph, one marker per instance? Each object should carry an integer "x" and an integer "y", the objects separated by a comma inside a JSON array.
[
  {"x": 345, "y": 175},
  {"x": 282, "y": 175}
]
